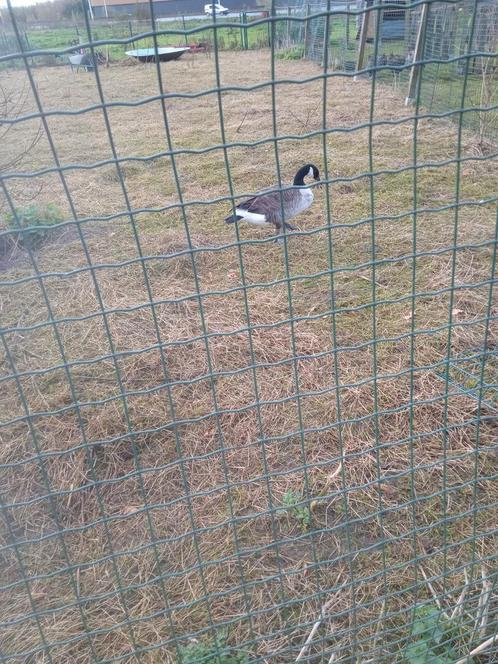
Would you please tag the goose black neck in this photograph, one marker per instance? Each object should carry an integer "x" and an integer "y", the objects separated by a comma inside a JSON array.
[{"x": 300, "y": 175}]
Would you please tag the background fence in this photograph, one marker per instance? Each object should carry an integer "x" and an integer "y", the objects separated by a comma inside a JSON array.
[
  {"x": 214, "y": 449},
  {"x": 60, "y": 37},
  {"x": 446, "y": 37}
]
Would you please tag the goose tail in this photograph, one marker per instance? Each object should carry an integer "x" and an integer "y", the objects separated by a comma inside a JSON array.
[{"x": 233, "y": 218}]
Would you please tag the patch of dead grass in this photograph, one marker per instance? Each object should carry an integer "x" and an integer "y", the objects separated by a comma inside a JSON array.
[{"x": 177, "y": 474}]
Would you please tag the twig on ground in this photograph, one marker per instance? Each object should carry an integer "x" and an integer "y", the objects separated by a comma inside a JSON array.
[
  {"x": 336, "y": 472},
  {"x": 304, "y": 123},
  {"x": 242, "y": 122},
  {"x": 483, "y": 605},
  {"x": 434, "y": 593},
  {"x": 483, "y": 646},
  {"x": 317, "y": 624},
  {"x": 457, "y": 611},
  {"x": 362, "y": 276},
  {"x": 314, "y": 629},
  {"x": 380, "y": 624}
]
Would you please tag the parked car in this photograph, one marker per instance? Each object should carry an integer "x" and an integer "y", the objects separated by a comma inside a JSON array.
[{"x": 215, "y": 8}]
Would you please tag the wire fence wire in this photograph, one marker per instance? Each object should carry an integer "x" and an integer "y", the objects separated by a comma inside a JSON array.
[
  {"x": 446, "y": 36},
  {"x": 60, "y": 36},
  {"x": 219, "y": 450}
]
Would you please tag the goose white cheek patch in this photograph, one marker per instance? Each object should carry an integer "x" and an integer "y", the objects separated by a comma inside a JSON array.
[{"x": 310, "y": 173}]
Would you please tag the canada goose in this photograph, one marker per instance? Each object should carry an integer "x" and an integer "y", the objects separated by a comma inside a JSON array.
[{"x": 265, "y": 209}]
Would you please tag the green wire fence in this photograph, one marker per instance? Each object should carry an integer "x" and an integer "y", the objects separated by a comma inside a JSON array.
[
  {"x": 447, "y": 30},
  {"x": 214, "y": 449}
]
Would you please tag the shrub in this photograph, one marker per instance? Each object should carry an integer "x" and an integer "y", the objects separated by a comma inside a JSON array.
[
  {"x": 291, "y": 501},
  {"x": 296, "y": 53},
  {"x": 432, "y": 638},
  {"x": 211, "y": 652},
  {"x": 28, "y": 222}
]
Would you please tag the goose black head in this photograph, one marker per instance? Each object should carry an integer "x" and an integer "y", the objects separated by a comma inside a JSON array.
[{"x": 309, "y": 170}]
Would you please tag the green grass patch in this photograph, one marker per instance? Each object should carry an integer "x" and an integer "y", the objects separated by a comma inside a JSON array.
[{"x": 30, "y": 223}]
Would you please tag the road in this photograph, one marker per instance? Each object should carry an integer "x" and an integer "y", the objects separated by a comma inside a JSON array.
[{"x": 200, "y": 17}]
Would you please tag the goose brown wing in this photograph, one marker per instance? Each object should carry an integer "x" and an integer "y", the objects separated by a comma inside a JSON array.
[
  {"x": 268, "y": 203},
  {"x": 250, "y": 202}
]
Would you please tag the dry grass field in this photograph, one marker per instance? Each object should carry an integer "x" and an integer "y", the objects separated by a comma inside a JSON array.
[{"x": 147, "y": 491}]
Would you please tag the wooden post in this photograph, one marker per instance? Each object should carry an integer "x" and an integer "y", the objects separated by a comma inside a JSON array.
[
  {"x": 90, "y": 10},
  {"x": 363, "y": 40},
  {"x": 417, "y": 56},
  {"x": 379, "y": 18}
]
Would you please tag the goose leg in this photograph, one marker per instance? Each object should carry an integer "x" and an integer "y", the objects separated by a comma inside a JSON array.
[
  {"x": 289, "y": 227},
  {"x": 279, "y": 238}
]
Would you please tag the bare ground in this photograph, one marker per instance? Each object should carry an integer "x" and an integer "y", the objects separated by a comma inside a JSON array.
[{"x": 144, "y": 490}]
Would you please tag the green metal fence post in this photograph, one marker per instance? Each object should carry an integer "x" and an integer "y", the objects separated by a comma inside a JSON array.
[
  {"x": 246, "y": 36},
  {"x": 306, "y": 31},
  {"x": 287, "y": 43},
  {"x": 185, "y": 27},
  {"x": 348, "y": 9},
  {"x": 326, "y": 41},
  {"x": 130, "y": 29}
]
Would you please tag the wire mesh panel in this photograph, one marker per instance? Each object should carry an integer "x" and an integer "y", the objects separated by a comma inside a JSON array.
[
  {"x": 451, "y": 32},
  {"x": 216, "y": 447},
  {"x": 446, "y": 37},
  {"x": 466, "y": 376},
  {"x": 338, "y": 27}
]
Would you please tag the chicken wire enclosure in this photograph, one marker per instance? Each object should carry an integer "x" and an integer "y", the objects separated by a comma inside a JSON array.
[
  {"x": 450, "y": 32},
  {"x": 445, "y": 36},
  {"x": 219, "y": 450},
  {"x": 342, "y": 27},
  {"x": 335, "y": 32},
  {"x": 289, "y": 34},
  {"x": 315, "y": 33}
]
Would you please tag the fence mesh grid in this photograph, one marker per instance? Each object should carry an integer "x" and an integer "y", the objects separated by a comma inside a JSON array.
[
  {"x": 217, "y": 449},
  {"x": 446, "y": 37}
]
